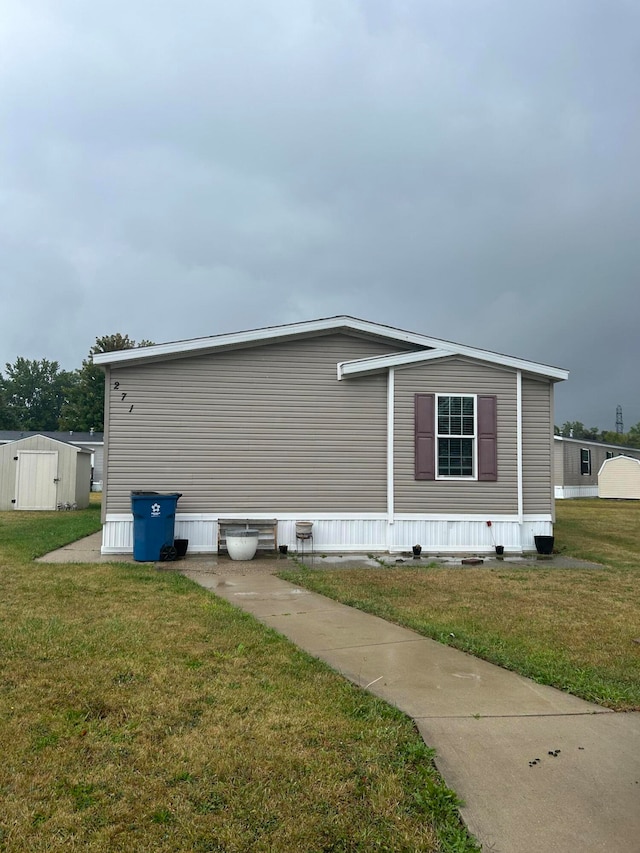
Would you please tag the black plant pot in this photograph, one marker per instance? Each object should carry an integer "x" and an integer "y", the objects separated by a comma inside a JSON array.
[
  {"x": 544, "y": 544},
  {"x": 284, "y": 549},
  {"x": 181, "y": 546},
  {"x": 417, "y": 550},
  {"x": 499, "y": 550}
]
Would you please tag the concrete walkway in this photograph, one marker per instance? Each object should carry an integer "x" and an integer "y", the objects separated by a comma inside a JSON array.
[{"x": 493, "y": 730}]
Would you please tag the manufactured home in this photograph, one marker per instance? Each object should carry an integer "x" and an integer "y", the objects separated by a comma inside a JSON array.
[
  {"x": 42, "y": 473},
  {"x": 577, "y": 462},
  {"x": 380, "y": 438}
]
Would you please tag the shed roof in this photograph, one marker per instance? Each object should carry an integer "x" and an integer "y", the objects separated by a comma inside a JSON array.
[
  {"x": 428, "y": 347},
  {"x": 7, "y": 435},
  {"x": 25, "y": 437},
  {"x": 618, "y": 461}
]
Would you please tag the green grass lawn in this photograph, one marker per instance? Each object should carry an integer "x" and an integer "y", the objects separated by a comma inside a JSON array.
[
  {"x": 138, "y": 712},
  {"x": 576, "y": 629}
]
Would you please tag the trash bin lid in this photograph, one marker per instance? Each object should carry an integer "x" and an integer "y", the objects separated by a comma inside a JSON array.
[
  {"x": 241, "y": 531},
  {"x": 175, "y": 495}
]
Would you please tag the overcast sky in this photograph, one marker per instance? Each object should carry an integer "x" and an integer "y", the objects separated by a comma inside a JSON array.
[{"x": 467, "y": 169}]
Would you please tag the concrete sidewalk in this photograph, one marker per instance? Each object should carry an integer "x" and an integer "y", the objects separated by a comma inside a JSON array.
[{"x": 493, "y": 730}]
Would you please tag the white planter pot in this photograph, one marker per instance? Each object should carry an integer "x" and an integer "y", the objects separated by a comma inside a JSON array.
[{"x": 242, "y": 544}]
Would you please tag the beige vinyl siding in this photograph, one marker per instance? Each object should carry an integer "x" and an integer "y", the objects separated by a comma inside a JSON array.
[
  {"x": 261, "y": 429},
  {"x": 455, "y": 375},
  {"x": 537, "y": 445}
]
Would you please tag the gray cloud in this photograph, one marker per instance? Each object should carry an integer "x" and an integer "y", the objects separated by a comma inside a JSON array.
[{"x": 465, "y": 170}]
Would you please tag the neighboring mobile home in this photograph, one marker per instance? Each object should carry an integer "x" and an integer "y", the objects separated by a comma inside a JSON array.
[
  {"x": 619, "y": 477},
  {"x": 42, "y": 473},
  {"x": 382, "y": 438},
  {"x": 577, "y": 463}
]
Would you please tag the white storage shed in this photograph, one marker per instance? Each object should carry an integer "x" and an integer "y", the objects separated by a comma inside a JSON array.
[
  {"x": 41, "y": 473},
  {"x": 619, "y": 477}
]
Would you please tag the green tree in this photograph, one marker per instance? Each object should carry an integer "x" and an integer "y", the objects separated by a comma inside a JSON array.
[
  {"x": 633, "y": 436},
  {"x": 84, "y": 409},
  {"x": 576, "y": 429},
  {"x": 608, "y": 436},
  {"x": 34, "y": 393},
  {"x": 7, "y": 419}
]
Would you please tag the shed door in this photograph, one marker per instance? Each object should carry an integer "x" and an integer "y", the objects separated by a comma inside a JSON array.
[{"x": 36, "y": 482}]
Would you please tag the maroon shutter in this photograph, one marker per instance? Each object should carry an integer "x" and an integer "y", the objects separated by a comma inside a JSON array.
[
  {"x": 487, "y": 438},
  {"x": 425, "y": 425}
]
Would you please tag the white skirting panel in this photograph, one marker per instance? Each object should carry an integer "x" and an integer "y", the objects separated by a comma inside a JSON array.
[
  {"x": 201, "y": 529},
  {"x": 576, "y": 492},
  {"x": 117, "y": 534},
  {"x": 338, "y": 534},
  {"x": 355, "y": 534},
  {"x": 470, "y": 535}
]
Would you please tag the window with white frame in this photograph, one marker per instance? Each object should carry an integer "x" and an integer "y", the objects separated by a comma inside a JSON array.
[
  {"x": 585, "y": 460},
  {"x": 456, "y": 435}
]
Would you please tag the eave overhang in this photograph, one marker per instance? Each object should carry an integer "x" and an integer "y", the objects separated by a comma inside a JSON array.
[
  {"x": 378, "y": 363},
  {"x": 257, "y": 336},
  {"x": 431, "y": 348}
]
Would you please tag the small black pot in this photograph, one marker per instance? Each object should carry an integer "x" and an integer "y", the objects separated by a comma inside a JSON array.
[
  {"x": 284, "y": 549},
  {"x": 181, "y": 546},
  {"x": 417, "y": 550},
  {"x": 499, "y": 550},
  {"x": 544, "y": 544}
]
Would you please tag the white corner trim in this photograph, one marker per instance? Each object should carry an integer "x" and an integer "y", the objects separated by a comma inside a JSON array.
[
  {"x": 390, "y": 443},
  {"x": 519, "y": 445}
]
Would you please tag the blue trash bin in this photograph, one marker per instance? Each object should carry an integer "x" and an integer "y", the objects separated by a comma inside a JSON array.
[{"x": 154, "y": 518}]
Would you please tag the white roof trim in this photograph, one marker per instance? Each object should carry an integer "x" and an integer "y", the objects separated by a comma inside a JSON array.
[
  {"x": 68, "y": 444},
  {"x": 382, "y": 362},
  {"x": 272, "y": 333},
  {"x": 583, "y": 442},
  {"x": 257, "y": 335},
  {"x": 367, "y": 365}
]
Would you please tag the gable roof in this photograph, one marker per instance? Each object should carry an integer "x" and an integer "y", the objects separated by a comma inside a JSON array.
[
  {"x": 369, "y": 365},
  {"x": 426, "y": 347}
]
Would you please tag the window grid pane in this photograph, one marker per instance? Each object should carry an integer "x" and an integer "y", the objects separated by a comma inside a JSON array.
[
  {"x": 455, "y": 457},
  {"x": 456, "y": 416}
]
